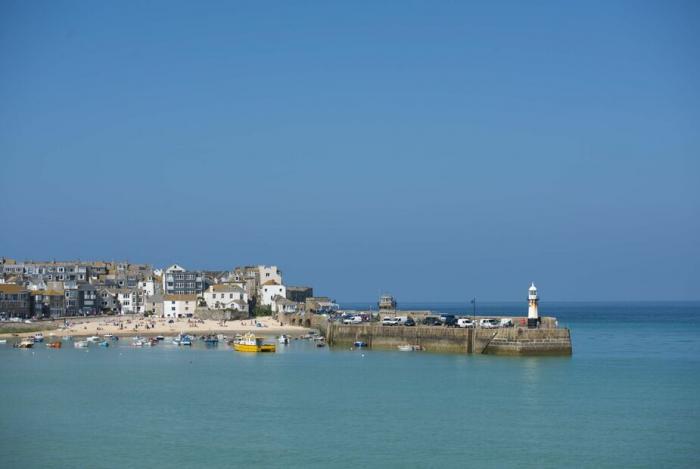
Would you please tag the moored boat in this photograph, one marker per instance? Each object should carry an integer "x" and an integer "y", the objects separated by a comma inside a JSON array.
[
  {"x": 409, "y": 348},
  {"x": 104, "y": 343},
  {"x": 81, "y": 344},
  {"x": 26, "y": 343},
  {"x": 55, "y": 344},
  {"x": 38, "y": 337},
  {"x": 250, "y": 343},
  {"x": 94, "y": 338},
  {"x": 283, "y": 339},
  {"x": 359, "y": 344}
]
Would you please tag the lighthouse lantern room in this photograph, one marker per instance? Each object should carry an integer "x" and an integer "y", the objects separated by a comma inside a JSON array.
[{"x": 533, "y": 317}]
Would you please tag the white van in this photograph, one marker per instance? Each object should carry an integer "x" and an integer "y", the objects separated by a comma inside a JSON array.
[
  {"x": 353, "y": 320},
  {"x": 466, "y": 322}
]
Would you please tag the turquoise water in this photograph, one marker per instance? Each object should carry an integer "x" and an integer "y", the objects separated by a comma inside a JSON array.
[{"x": 628, "y": 397}]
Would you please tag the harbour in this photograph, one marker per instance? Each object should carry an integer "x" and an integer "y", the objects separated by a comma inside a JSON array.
[{"x": 182, "y": 405}]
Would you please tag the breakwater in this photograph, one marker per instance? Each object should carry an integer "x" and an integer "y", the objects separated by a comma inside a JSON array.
[{"x": 518, "y": 341}]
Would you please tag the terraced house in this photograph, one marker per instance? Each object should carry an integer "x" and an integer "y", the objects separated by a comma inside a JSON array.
[{"x": 14, "y": 301}]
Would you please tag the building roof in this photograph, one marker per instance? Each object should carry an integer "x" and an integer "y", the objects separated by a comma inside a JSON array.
[
  {"x": 226, "y": 287},
  {"x": 179, "y": 297},
  {"x": 271, "y": 282},
  {"x": 12, "y": 288}
]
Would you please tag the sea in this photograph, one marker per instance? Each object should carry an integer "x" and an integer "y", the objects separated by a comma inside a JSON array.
[{"x": 629, "y": 396}]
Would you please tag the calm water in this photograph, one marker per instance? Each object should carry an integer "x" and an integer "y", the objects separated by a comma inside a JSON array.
[{"x": 629, "y": 397}]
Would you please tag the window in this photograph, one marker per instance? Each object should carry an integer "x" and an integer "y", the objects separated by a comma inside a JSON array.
[
  {"x": 230, "y": 295},
  {"x": 213, "y": 295}
]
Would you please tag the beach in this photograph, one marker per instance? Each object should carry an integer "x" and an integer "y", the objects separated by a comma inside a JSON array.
[{"x": 137, "y": 325}]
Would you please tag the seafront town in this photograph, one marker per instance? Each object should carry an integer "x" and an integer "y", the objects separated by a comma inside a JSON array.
[{"x": 110, "y": 299}]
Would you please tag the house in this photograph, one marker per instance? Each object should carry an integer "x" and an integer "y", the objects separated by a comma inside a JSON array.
[
  {"x": 108, "y": 300},
  {"x": 154, "y": 304},
  {"x": 178, "y": 281},
  {"x": 283, "y": 305},
  {"x": 270, "y": 289},
  {"x": 129, "y": 301},
  {"x": 48, "y": 303},
  {"x": 226, "y": 296},
  {"x": 89, "y": 300},
  {"x": 179, "y": 306},
  {"x": 147, "y": 286},
  {"x": 14, "y": 301},
  {"x": 299, "y": 294}
]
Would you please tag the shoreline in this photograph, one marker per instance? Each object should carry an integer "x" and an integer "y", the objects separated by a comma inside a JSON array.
[{"x": 130, "y": 327}]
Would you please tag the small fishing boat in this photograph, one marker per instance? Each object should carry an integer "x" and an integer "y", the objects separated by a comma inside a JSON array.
[
  {"x": 110, "y": 337},
  {"x": 81, "y": 344},
  {"x": 3, "y": 341},
  {"x": 320, "y": 344},
  {"x": 67, "y": 337},
  {"x": 139, "y": 343},
  {"x": 250, "y": 343},
  {"x": 104, "y": 343},
  {"x": 283, "y": 339},
  {"x": 409, "y": 348},
  {"x": 160, "y": 337},
  {"x": 56, "y": 344},
  {"x": 38, "y": 337},
  {"x": 211, "y": 340},
  {"x": 359, "y": 344},
  {"x": 26, "y": 343},
  {"x": 94, "y": 338}
]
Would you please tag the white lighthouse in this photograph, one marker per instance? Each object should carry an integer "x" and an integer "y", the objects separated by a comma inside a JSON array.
[{"x": 533, "y": 317}]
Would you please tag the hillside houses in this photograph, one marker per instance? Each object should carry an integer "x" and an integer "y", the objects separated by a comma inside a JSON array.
[{"x": 56, "y": 289}]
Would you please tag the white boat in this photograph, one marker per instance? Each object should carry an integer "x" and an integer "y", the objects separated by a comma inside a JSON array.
[
  {"x": 94, "y": 338},
  {"x": 3, "y": 341},
  {"x": 81, "y": 344},
  {"x": 67, "y": 337},
  {"x": 410, "y": 348},
  {"x": 283, "y": 339},
  {"x": 38, "y": 337}
]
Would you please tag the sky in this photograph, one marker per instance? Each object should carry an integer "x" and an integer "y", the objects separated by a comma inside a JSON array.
[{"x": 437, "y": 151}]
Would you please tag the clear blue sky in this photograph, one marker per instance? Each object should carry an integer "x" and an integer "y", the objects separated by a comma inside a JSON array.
[{"x": 435, "y": 150}]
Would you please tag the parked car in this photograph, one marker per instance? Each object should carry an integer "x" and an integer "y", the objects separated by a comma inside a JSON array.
[
  {"x": 489, "y": 323},
  {"x": 389, "y": 321},
  {"x": 409, "y": 322},
  {"x": 449, "y": 320},
  {"x": 432, "y": 321},
  {"x": 353, "y": 320},
  {"x": 466, "y": 322},
  {"x": 506, "y": 322}
]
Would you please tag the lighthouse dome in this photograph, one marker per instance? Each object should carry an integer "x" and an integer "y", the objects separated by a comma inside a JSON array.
[{"x": 532, "y": 287}]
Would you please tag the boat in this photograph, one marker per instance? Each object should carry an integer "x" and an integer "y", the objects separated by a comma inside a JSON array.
[
  {"x": 359, "y": 344},
  {"x": 81, "y": 344},
  {"x": 38, "y": 337},
  {"x": 104, "y": 343},
  {"x": 67, "y": 337},
  {"x": 139, "y": 343},
  {"x": 211, "y": 340},
  {"x": 110, "y": 337},
  {"x": 410, "y": 348},
  {"x": 94, "y": 338},
  {"x": 55, "y": 344},
  {"x": 250, "y": 343},
  {"x": 26, "y": 343},
  {"x": 320, "y": 344},
  {"x": 160, "y": 337},
  {"x": 283, "y": 339}
]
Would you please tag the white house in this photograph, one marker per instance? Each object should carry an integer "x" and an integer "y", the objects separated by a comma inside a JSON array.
[
  {"x": 281, "y": 304},
  {"x": 179, "y": 306},
  {"x": 130, "y": 302},
  {"x": 147, "y": 286},
  {"x": 270, "y": 289},
  {"x": 226, "y": 296}
]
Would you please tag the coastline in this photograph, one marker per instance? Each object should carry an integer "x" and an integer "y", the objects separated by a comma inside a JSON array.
[{"x": 128, "y": 327}]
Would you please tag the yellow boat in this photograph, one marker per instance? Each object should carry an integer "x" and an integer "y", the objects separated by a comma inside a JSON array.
[{"x": 250, "y": 343}]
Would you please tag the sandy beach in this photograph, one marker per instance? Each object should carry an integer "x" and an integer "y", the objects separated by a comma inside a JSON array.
[{"x": 131, "y": 326}]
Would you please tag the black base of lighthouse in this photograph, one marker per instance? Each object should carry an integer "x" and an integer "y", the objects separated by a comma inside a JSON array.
[{"x": 532, "y": 323}]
